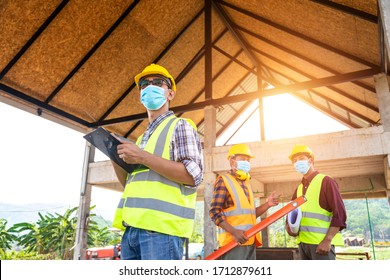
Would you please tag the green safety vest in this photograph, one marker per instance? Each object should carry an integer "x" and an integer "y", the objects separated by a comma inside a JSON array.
[
  {"x": 153, "y": 202},
  {"x": 315, "y": 220}
]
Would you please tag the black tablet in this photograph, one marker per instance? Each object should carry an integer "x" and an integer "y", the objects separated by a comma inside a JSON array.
[{"x": 103, "y": 140}]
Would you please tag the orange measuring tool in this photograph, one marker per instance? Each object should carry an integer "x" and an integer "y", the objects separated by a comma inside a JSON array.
[{"x": 260, "y": 226}]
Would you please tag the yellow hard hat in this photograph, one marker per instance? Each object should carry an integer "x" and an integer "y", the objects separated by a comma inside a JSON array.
[
  {"x": 299, "y": 149},
  {"x": 155, "y": 69},
  {"x": 239, "y": 149}
]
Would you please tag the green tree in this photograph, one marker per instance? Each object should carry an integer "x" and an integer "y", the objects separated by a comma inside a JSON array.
[
  {"x": 7, "y": 238},
  {"x": 30, "y": 237},
  {"x": 103, "y": 237},
  {"x": 358, "y": 220},
  {"x": 197, "y": 234},
  {"x": 55, "y": 234},
  {"x": 59, "y": 233}
]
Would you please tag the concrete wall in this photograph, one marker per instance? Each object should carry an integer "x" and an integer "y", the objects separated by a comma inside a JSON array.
[{"x": 353, "y": 156}]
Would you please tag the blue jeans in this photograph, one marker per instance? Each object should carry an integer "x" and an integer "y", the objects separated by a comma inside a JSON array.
[{"x": 140, "y": 244}]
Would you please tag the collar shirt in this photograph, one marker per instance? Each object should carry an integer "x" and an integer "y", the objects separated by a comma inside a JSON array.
[{"x": 185, "y": 146}]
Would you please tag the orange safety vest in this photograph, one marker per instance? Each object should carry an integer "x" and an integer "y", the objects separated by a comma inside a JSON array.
[{"x": 242, "y": 215}]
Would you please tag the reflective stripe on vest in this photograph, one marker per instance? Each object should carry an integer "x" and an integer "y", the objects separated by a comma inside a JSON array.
[
  {"x": 159, "y": 205},
  {"x": 317, "y": 216},
  {"x": 153, "y": 176},
  {"x": 156, "y": 204},
  {"x": 153, "y": 202},
  {"x": 240, "y": 227},
  {"x": 242, "y": 215},
  {"x": 238, "y": 212},
  {"x": 315, "y": 220}
]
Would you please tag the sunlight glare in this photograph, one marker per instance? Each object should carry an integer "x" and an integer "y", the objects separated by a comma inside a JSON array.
[{"x": 285, "y": 117}]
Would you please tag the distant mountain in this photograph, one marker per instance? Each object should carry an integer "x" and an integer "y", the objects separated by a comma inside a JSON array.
[
  {"x": 29, "y": 213},
  {"x": 363, "y": 222}
]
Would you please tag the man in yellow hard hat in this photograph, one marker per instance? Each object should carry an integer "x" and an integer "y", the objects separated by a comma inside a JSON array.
[
  {"x": 157, "y": 208},
  {"x": 233, "y": 207},
  {"x": 323, "y": 214}
]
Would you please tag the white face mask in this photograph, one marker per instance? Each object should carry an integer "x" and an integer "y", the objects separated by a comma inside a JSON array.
[
  {"x": 243, "y": 165},
  {"x": 302, "y": 166}
]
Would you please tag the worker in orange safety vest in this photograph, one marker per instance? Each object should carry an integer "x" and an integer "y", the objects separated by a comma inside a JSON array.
[{"x": 233, "y": 207}]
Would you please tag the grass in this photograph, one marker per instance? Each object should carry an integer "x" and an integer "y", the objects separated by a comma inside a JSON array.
[{"x": 381, "y": 253}]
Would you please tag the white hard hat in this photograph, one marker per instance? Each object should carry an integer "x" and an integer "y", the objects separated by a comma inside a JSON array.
[{"x": 294, "y": 219}]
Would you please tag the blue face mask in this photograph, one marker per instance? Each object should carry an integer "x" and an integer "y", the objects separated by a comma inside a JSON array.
[
  {"x": 243, "y": 165},
  {"x": 302, "y": 166},
  {"x": 153, "y": 97}
]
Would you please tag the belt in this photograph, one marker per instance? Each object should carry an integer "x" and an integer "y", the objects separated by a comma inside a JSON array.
[{"x": 127, "y": 225}]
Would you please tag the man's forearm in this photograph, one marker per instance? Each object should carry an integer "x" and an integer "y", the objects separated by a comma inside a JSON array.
[
  {"x": 260, "y": 210},
  {"x": 332, "y": 231},
  {"x": 325, "y": 245},
  {"x": 172, "y": 170}
]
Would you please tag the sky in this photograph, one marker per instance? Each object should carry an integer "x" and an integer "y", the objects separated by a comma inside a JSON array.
[
  {"x": 285, "y": 117},
  {"x": 41, "y": 161}
]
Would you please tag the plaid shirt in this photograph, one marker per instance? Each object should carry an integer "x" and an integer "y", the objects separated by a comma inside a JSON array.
[
  {"x": 185, "y": 146},
  {"x": 222, "y": 199}
]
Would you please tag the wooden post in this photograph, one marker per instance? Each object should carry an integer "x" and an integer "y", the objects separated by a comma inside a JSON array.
[{"x": 85, "y": 203}]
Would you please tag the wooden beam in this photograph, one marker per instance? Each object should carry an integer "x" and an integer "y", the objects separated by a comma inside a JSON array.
[{"x": 321, "y": 82}]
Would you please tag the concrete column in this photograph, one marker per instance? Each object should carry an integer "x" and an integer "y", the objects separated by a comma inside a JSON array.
[
  {"x": 210, "y": 242},
  {"x": 85, "y": 203},
  {"x": 387, "y": 176},
  {"x": 259, "y": 190},
  {"x": 383, "y": 95},
  {"x": 264, "y": 232}
]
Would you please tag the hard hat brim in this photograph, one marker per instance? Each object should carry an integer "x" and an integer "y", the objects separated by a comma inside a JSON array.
[{"x": 138, "y": 77}]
